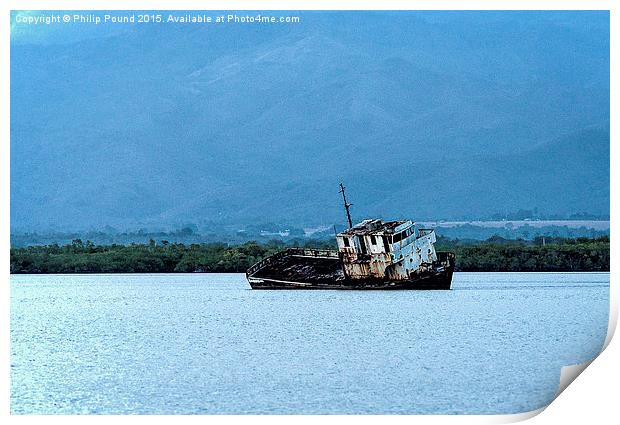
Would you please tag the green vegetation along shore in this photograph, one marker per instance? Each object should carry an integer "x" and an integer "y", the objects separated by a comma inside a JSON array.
[{"x": 494, "y": 254}]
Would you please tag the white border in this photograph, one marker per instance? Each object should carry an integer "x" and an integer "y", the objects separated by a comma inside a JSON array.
[{"x": 593, "y": 398}]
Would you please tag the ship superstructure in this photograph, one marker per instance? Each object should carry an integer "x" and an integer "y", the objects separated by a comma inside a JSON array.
[{"x": 392, "y": 250}]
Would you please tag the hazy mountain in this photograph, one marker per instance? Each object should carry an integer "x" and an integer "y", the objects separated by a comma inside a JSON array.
[{"x": 426, "y": 115}]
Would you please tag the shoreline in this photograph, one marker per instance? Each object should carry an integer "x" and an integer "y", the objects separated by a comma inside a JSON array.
[{"x": 195, "y": 273}]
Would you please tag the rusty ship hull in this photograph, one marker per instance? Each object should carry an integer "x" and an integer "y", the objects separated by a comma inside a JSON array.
[{"x": 297, "y": 268}]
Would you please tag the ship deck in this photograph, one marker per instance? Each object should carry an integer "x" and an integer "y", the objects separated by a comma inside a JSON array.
[{"x": 302, "y": 266}]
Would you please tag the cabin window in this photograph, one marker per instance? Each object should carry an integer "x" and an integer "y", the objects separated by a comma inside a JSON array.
[
  {"x": 386, "y": 243},
  {"x": 362, "y": 245},
  {"x": 373, "y": 240},
  {"x": 346, "y": 242},
  {"x": 400, "y": 236}
]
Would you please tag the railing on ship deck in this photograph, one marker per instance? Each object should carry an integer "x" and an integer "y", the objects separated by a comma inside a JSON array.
[{"x": 300, "y": 252}]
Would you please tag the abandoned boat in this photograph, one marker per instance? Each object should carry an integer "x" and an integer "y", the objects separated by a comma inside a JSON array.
[{"x": 372, "y": 254}]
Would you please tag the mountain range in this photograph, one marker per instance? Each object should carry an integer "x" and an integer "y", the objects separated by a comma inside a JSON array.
[{"x": 422, "y": 115}]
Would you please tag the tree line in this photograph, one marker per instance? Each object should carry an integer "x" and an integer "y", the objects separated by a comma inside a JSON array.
[
  {"x": 539, "y": 255},
  {"x": 494, "y": 254}
]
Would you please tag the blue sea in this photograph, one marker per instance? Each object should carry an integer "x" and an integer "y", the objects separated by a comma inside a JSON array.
[{"x": 208, "y": 344}]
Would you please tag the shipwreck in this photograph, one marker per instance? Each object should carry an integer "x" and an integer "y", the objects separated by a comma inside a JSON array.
[{"x": 372, "y": 254}]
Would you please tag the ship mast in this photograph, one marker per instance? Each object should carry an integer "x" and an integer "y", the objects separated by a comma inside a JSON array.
[{"x": 346, "y": 205}]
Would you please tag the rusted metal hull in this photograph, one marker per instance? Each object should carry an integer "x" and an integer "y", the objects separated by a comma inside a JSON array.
[
  {"x": 306, "y": 269},
  {"x": 441, "y": 281}
]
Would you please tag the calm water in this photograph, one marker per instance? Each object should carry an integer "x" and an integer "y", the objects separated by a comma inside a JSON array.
[{"x": 206, "y": 343}]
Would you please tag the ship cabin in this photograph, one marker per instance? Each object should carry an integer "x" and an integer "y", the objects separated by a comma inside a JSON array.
[{"x": 392, "y": 249}]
